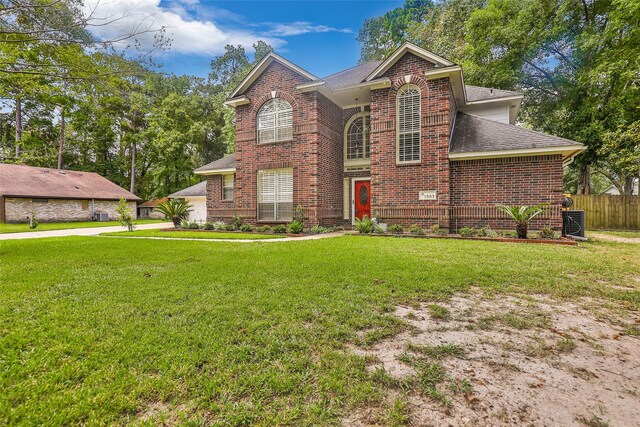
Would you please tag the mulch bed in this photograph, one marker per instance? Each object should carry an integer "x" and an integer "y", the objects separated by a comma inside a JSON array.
[{"x": 559, "y": 241}]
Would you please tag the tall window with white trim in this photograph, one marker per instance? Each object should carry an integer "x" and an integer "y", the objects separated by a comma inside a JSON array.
[
  {"x": 357, "y": 145},
  {"x": 408, "y": 128},
  {"x": 275, "y": 195},
  {"x": 275, "y": 121},
  {"x": 227, "y": 187}
]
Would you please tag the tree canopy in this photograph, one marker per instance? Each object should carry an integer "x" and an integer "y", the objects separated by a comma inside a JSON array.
[{"x": 577, "y": 62}]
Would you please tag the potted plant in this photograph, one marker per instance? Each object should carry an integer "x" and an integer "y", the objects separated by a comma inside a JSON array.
[
  {"x": 175, "y": 209},
  {"x": 521, "y": 215}
]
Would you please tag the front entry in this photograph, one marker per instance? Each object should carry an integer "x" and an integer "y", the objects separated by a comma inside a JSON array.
[{"x": 362, "y": 194}]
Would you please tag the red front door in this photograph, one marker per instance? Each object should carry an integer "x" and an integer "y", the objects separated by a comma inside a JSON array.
[{"x": 363, "y": 198}]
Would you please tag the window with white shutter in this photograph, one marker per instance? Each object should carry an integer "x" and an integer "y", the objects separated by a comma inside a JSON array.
[
  {"x": 227, "y": 187},
  {"x": 357, "y": 140},
  {"x": 408, "y": 127},
  {"x": 275, "y": 121},
  {"x": 275, "y": 195}
]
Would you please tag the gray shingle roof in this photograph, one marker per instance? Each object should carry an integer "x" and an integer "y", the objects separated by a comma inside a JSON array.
[
  {"x": 351, "y": 76},
  {"x": 473, "y": 134},
  {"x": 227, "y": 162},
  {"x": 199, "y": 189},
  {"x": 478, "y": 93}
]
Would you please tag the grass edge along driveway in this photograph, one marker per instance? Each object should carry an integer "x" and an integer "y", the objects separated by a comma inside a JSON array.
[
  {"x": 6, "y": 228},
  {"x": 119, "y": 331}
]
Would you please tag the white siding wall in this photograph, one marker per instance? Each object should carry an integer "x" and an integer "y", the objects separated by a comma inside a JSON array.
[{"x": 496, "y": 113}]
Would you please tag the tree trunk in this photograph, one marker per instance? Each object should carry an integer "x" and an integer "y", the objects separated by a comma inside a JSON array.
[
  {"x": 584, "y": 179},
  {"x": 132, "y": 186},
  {"x": 18, "y": 125},
  {"x": 61, "y": 143},
  {"x": 627, "y": 186},
  {"x": 521, "y": 230}
]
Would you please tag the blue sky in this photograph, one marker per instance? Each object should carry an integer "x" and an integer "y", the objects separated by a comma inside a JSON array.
[{"x": 319, "y": 36}]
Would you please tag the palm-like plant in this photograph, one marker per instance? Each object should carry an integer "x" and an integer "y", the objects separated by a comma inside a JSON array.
[
  {"x": 175, "y": 209},
  {"x": 521, "y": 215}
]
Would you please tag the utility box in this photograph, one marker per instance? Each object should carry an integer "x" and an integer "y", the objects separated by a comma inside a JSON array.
[
  {"x": 102, "y": 217},
  {"x": 573, "y": 223}
]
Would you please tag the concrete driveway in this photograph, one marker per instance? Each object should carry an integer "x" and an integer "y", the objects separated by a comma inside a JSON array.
[{"x": 94, "y": 231}]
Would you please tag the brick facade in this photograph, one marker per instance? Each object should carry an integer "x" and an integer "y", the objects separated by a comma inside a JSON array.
[
  {"x": 477, "y": 186},
  {"x": 467, "y": 191},
  {"x": 58, "y": 210}
]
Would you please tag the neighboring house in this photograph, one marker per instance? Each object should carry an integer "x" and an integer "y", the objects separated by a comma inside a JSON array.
[
  {"x": 403, "y": 140},
  {"x": 196, "y": 195},
  {"x": 614, "y": 190},
  {"x": 58, "y": 195},
  {"x": 147, "y": 209}
]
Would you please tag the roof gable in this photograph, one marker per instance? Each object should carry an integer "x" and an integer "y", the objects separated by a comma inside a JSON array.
[
  {"x": 400, "y": 52},
  {"x": 261, "y": 66}
]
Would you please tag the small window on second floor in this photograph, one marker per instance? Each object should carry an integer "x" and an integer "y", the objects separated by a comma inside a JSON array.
[
  {"x": 227, "y": 187},
  {"x": 275, "y": 121}
]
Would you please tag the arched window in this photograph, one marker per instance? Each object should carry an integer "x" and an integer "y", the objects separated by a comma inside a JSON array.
[
  {"x": 357, "y": 146},
  {"x": 408, "y": 130},
  {"x": 275, "y": 121}
]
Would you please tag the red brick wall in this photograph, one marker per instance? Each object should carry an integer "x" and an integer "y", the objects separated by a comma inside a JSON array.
[
  {"x": 477, "y": 186},
  {"x": 317, "y": 140},
  {"x": 395, "y": 186},
  {"x": 218, "y": 209}
]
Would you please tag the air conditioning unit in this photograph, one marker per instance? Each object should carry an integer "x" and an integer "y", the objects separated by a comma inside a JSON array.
[
  {"x": 102, "y": 216},
  {"x": 573, "y": 223}
]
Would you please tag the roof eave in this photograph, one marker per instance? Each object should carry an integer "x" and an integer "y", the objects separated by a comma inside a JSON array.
[
  {"x": 207, "y": 172},
  {"x": 567, "y": 151},
  {"x": 236, "y": 102}
]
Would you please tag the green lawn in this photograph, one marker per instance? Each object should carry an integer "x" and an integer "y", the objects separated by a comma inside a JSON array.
[
  {"x": 194, "y": 235},
  {"x": 112, "y": 331},
  {"x": 627, "y": 234},
  {"x": 45, "y": 226}
]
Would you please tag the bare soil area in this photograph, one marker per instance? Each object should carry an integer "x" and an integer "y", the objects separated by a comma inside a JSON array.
[{"x": 501, "y": 361}]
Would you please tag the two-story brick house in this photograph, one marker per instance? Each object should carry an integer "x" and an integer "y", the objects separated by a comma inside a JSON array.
[{"x": 403, "y": 140}]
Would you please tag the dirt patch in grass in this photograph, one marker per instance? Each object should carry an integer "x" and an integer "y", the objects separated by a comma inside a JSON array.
[
  {"x": 619, "y": 237},
  {"x": 510, "y": 360}
]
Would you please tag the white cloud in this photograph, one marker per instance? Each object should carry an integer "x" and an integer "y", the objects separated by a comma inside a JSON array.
[
  {"x": 191, "y": 29},
  {"x": 190, "y": 36},
  {"x": 301, "y": 27}
]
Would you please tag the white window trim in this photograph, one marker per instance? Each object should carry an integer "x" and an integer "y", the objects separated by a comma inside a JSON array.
[
  {"x": 224, "y": 187},
  {"x": 275, "y": 195},
  {"x": 353, "y": 197},
  {"x": 419, "y": 160},
  {"x": 275, "y": 122},
  {"x": 357, "y": 162}
]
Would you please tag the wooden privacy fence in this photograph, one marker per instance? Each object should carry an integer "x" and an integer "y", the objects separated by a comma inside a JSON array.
[{"x": 609, "y": 212}]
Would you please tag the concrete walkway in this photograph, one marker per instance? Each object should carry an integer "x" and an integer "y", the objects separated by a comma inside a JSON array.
[
  {"x": 93, "y": 231},
  {"x": 284, "y": 239}
]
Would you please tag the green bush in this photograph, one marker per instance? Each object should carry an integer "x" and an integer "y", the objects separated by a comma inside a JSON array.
[
  {"x": 317, "y": 229},
  {"x": 228, "y": 227},
  {"x": 295, "y": 227},
  {"x": 395, "y": 229},
  {"x": 416, "y": 229},
  {"x": 467, "y": 232},
  {"x": 437, "y": 230},
  {"x": 208, "y": 226},
  {"x": 33, "y": 222},
  {"x": 246, "y": 227},
  {"x": 125, "y": 217},
  {"x": 547, "y": 233},
  {"x": 379, "y": 228},
  {"x": 279, "y": 229},
  {"x": 175, "y": 209},
  {"x": 364, "y": 225},
  {"x": 263, "y": 229},
  {"x": 236, "y": 220}
]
